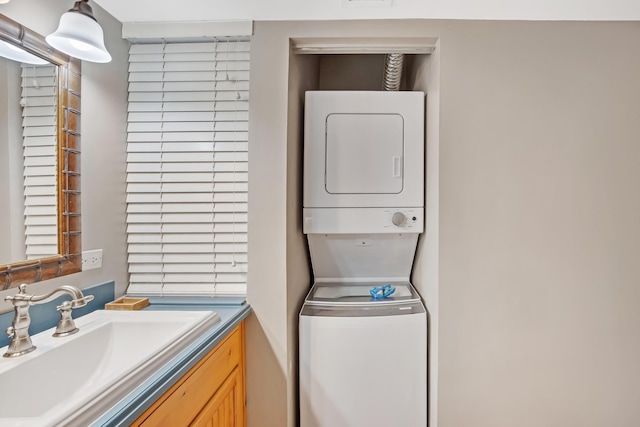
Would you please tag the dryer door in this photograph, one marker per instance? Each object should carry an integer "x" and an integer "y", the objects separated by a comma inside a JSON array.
[{"x": 364, "y": 153}]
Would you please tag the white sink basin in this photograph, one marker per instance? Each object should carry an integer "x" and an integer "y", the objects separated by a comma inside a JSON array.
[{"x": 72, "y": 380}]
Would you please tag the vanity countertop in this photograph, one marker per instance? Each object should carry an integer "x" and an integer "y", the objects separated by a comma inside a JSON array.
[{"x": 231, "y": 311}]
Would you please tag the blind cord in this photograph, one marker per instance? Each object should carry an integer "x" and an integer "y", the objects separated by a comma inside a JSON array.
[
  {"x": 235, "y": 130},
  {"x": 213, "y": 162},
  {"x": 162, "y": 108}
]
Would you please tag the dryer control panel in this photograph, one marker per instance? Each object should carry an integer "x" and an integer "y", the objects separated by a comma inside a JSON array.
[
  {"x": 403, "y": 218},
  {"x": 362, "y": 220}
]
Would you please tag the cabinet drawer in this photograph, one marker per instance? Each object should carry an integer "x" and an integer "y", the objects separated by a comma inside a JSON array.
[{"x": 182, "y": 403}]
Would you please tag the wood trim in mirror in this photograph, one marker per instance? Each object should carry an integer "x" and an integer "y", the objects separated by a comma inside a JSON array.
[{"x": 69, "y": 259}]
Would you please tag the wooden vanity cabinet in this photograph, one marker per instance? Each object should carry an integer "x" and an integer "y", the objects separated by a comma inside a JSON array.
[{"x": 211, "y": 394}]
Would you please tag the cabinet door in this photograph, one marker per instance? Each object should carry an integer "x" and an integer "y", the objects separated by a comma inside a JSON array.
[
  {"x": 226, "y": 407},
  {"x": 185, "y": 400}
]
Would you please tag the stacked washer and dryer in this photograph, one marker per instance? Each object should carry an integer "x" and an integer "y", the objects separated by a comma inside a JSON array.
[{"x": 363, "y": 327}]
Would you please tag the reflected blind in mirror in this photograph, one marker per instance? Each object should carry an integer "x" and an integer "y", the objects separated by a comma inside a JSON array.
[
  {"x": 187, "y": 168},
  {"x": 39, "y": 128}
]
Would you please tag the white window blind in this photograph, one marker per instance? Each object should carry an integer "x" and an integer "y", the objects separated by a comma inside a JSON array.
[
  {"x": 187, "y": 168},
  {"x": 39, "y": 143}
]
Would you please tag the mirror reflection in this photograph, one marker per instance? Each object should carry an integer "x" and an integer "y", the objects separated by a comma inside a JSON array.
[
  {"x": 40, "y": 224},
  {"x": 28, "y": 159}
]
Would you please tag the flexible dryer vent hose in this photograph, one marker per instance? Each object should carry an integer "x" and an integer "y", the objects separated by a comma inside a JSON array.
[{"x": 392, "y": 71}]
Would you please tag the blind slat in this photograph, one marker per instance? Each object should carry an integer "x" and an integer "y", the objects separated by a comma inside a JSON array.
[
  {"x": 187, "y": 164},
  {"x": 39, "y": 119}
]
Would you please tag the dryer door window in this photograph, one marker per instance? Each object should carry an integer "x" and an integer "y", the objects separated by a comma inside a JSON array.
[{"x": 364, "y": 153}]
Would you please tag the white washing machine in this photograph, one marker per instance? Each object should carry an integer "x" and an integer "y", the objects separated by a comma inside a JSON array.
[
  {"x": 363, "y": 349},
  {"x": 362, "y": 360}
]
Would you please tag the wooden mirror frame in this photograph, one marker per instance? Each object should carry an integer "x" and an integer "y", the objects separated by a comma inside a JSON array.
[{"x": 69, "y": 258}]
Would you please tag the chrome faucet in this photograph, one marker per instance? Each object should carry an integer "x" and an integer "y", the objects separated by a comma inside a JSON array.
[{"x": 19, "y": 330}]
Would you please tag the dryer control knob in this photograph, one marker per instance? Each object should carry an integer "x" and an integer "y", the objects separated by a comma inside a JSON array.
[{"x": 398, "y": 219}]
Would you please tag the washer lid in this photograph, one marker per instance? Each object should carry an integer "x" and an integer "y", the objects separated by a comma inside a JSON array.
[{"x": 359, "y": 293}]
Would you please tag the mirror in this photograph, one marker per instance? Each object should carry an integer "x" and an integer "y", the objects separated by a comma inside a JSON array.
[
  {"x": 28, "y": 160},
  {"x": 40, "y": 167}
]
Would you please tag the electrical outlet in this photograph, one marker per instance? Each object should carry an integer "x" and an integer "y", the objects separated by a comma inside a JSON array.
[{"x": 91, "y": 259}]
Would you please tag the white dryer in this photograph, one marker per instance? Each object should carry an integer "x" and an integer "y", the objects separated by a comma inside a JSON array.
[
  {"x": 363, "y": 357},
  {"x": 363, "y": 149}
]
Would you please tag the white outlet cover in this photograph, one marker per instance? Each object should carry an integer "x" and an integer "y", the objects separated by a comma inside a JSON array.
[{"x": 91, "y": 259}]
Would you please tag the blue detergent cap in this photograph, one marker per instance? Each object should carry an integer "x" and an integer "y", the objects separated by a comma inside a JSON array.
[{"x": 380, "y": 292}]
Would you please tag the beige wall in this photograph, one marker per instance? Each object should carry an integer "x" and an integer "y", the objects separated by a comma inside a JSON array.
[
  {"x": 276, "y": 139},
  {"x": 534, "y": 176},
  {"x": 426, "y": 77},
  {"x": 268, "y": 332},
  {"x": 11, "y": 210},
  {"x": 539, "y": 225},
  {"x": 303, "y": 75},
  {"x": 104, "y": 104}
]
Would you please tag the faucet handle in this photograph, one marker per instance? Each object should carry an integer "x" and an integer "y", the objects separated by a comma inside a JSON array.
[
  {"x": 81, "y": 302},
  {"x": 66, "y": 325},
  {"x": 20, "y": 297},
  {"x": 66, "y": 305},
  {"x": 11, "y": 331}
]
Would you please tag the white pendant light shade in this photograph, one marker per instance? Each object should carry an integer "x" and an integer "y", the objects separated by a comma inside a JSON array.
[
  {"x": 19, "y": 55},
  {"x": 79, "y": 35}
]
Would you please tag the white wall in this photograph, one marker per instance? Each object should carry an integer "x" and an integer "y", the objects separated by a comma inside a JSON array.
[
  {"x": 104, "y": 103},
  {"x": 260, "y": 10}
]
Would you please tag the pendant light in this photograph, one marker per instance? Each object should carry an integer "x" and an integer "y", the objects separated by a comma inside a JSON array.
[{"x": 79, "y": 34}]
